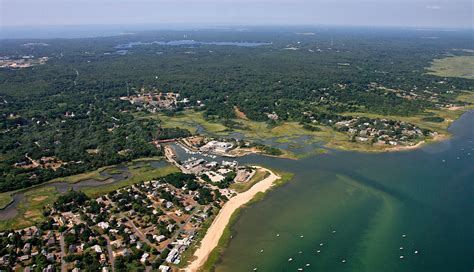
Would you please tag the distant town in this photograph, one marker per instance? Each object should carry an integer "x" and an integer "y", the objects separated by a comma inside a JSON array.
[
  {"x": 158, "y": 101},
  {"x": 18, "y": 62}
]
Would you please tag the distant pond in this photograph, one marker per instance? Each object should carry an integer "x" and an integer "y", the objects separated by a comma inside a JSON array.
[{"x": 190, "y": 43}]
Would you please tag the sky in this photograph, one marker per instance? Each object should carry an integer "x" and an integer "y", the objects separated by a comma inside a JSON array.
[{"x": 404, "y": 13}]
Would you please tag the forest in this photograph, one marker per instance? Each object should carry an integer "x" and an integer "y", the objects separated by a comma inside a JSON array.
[{"x": 65, "y": 117}]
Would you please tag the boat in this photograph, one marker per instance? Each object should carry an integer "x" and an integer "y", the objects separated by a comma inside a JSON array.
[{"x": 290, "y": 259}]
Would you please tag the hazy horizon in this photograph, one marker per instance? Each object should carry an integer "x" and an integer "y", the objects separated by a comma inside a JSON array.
[{"x": 381, "y": 13}]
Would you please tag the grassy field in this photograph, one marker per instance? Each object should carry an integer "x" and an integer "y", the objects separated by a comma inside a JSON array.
[
  {"x": 30, "y": 210},
  {"x": 5, "y": 199},
  {"x": 467, "y": 97},
  {"x": 460, "y": 66}
]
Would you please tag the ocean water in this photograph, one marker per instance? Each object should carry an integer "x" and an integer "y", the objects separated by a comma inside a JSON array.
[{"x": 362, "y": 212}]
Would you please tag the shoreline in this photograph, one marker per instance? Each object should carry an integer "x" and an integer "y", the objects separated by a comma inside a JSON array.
[{"x": 222, "y": 220}]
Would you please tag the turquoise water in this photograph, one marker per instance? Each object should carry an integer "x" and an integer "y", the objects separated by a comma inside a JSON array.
[{"x": 364, "y": 208}]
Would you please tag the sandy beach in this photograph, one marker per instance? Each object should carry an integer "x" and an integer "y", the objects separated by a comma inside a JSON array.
[{"x": 214, "y": 233}]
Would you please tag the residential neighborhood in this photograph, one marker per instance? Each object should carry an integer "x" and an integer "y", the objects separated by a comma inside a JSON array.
[
  {"x": 151, "y": 224},
  {"x": 156, "y": 101}
]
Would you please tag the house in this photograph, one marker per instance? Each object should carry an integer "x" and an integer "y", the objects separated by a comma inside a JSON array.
[
  {"x": 49, "y": 268},
  {"x": 103, "y": 225},
  {"x": 102, "y": 258},
  {"x": 172, "y": 256},
  {"x": 159, "y": 238},
  {"x": 97, "y": 248},
  {"x": 72, "y": 248},
  {"x": 24, "y": 258},
  {"x": 189, "y": 208},
  {"x": 50, "y": 257},
  {"x": 164, "y": 268},
  {"x": 27, "y": 248},
  {"x": 144, "y": 257},
  {"x": 133, "y": 239}
]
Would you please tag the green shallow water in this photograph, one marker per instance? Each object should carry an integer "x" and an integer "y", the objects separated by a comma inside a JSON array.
[{"x": 370, "y": 201}]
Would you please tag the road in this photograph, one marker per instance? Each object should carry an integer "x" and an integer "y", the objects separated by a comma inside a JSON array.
[
  {"x": 140, "y": 234},
  {"x": 110, "y": 252},
  {"x": 63, "y": 253}
]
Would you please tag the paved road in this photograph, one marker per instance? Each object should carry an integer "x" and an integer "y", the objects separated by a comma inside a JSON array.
[
  {"x": 110, "y": 252},
  {"x": 63, "y": 253},
  {"x": 140, "y": 234}
]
